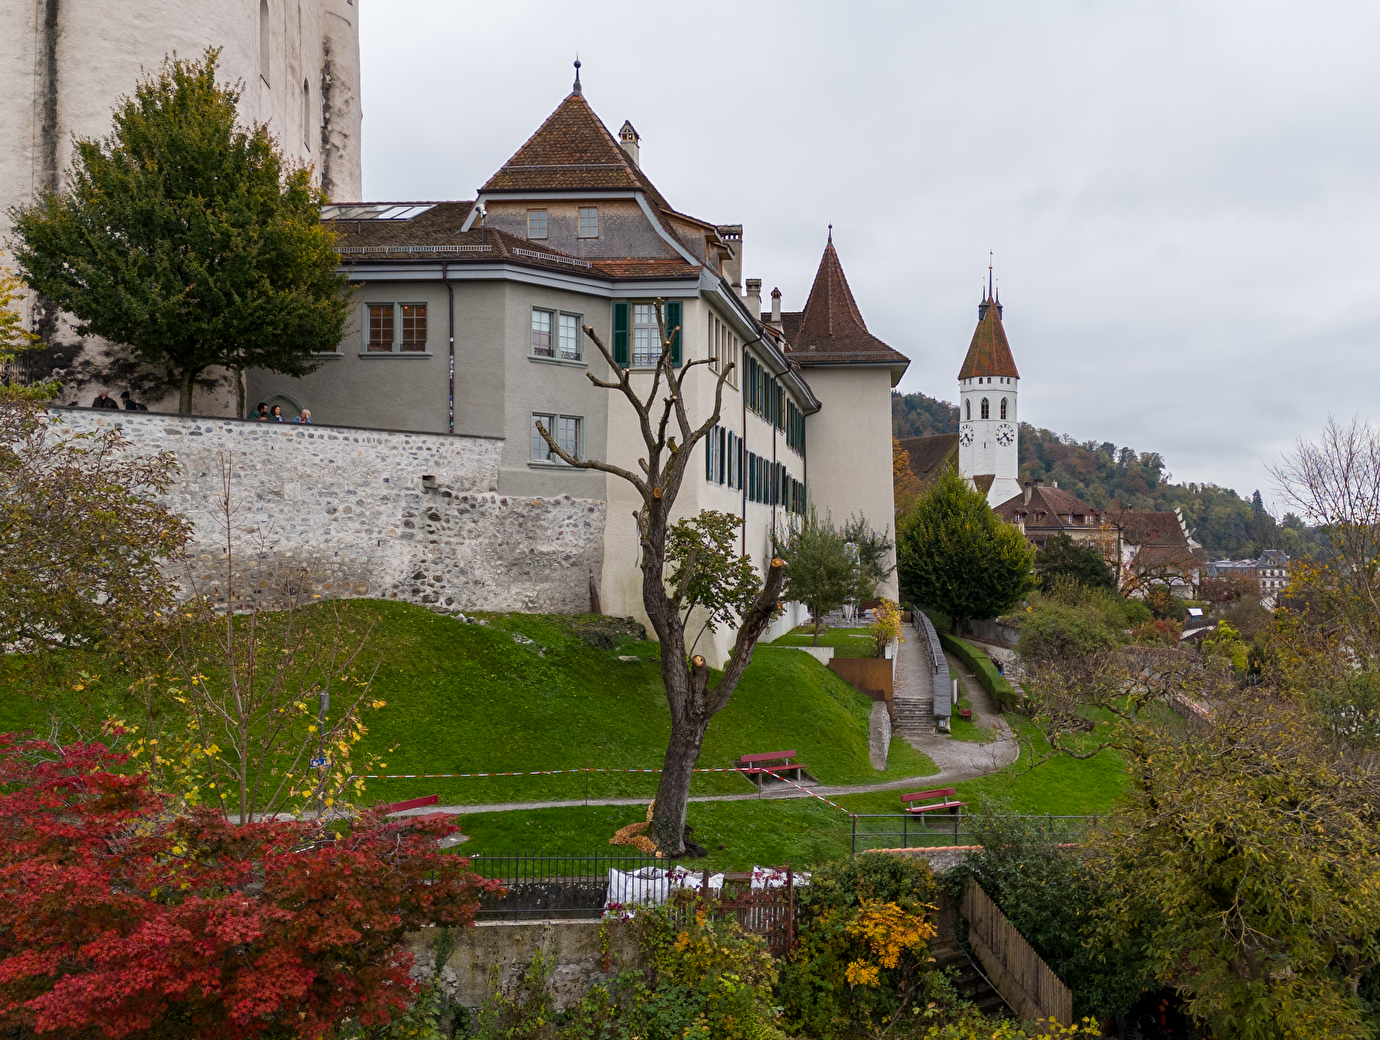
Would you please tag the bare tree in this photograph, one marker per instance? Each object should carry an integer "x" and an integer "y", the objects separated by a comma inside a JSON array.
[
  {"x": 257, "y": 687},
  {"x": 669, "y": 448}
]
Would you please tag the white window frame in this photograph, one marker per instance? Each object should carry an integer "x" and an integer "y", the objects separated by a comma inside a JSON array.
[
  {"x": 558, "y": 349},
  {"x": 654, "y": 331},
  {"x": 539, "y": 442},
  {"x": 398, "y": 328},
  {"x": 368, "y": 326},
  {"x": 545, "y": 224},
  {"x": 552, "y": 322},
  {"x": 580, "y": 222}
]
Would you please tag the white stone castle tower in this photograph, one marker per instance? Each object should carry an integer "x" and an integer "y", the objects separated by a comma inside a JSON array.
[
  {"x": 65, "y": 63},
  {"x": 987, "y": 418}
]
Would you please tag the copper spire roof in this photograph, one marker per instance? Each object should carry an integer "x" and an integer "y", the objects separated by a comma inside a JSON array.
[
  {"x": 989, "y": 354},
  {"x": 573, "y": 149},
  {"x": 831, "y": 330}
]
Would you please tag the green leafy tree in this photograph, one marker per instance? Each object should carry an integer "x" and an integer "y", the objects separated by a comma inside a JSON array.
[
  {"x": 1061, "y": 556},
  {"x": 709, "y": 574},
  {"x": 84, "y": 541},
  {"x": 189, "y": 237},
  {"x": 955, "y": 554},
  {"x": 821, "y": 567},
  {"x": 872, "y": 553}
]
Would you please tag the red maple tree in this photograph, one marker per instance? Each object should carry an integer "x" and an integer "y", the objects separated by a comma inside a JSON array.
[{"x": 121, "y": 918}]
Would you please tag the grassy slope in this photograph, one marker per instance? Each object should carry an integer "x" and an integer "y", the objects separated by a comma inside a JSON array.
[
  {"x": 847, "y": 642},
  {"x": 469, "y": 698}
]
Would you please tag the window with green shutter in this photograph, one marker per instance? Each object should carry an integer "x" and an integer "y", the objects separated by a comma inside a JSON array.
[
  {"x": 620, "y": 334},
  {"x": 673, "y": 312}
]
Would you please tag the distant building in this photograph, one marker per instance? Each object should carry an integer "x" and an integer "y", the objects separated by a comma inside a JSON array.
[
  {"x": 1157, "y": 548},
  {"x": 988, "y": 430},
  {"x": 1041, "y": 512},
  {"x": 1270, "y": 572}
]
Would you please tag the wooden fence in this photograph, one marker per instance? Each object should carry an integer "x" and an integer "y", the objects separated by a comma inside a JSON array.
[{"x": 1015, "y": 969}]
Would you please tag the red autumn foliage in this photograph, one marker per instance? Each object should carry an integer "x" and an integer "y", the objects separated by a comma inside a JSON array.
[{"x": 120, "y": 918}]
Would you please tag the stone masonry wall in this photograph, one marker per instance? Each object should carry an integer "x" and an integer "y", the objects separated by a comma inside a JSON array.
[{"x": 340, "y": 512}]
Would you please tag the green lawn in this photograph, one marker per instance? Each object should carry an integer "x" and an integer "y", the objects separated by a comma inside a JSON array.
[
  {"x": 466, "y": 698},
  {"x": 967, "y": 729},
  {"x": 847, "y": 642}
]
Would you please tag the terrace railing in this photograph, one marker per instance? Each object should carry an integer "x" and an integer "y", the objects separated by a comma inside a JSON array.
[{"x": 908, "y": 831}]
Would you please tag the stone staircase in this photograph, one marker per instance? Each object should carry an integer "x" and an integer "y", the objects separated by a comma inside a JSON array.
[
  {"x": 971, "y": 984},
  {"x": 913, "y": 716}
]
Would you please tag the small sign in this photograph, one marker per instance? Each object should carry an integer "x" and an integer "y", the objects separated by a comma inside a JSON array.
[
  {"x": 317, "y": 763},
  {"x": 1195, "y": 611}
]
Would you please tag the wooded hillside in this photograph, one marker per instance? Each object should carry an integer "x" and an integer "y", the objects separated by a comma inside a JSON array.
[{"x": 1227, "y": 524}]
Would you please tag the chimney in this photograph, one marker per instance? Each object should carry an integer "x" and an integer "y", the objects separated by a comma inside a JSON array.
[
  {"x": 776, "y": 307},
  {"x": 754, "y": 297},
  {"x": 732, "y": 268},
  {"x": 627, "y": 137},
  {"x": 1027, "y": 492}
]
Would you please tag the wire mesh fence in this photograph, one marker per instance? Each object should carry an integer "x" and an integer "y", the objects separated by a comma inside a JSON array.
[
  {"x": 574, "y": 886},
  {"x": 934, "y": 830}
]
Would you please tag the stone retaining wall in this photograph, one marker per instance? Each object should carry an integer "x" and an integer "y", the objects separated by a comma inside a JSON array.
[{"x": 340, "y": 512}]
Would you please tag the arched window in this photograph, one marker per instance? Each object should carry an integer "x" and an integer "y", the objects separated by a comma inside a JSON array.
[
  {"x": 263, "y": 39},
  {"x": 986, "y": 409},
  {"x": 1003, "y": 408},
  {"x": 968, "y": 409},
  {"x": 306, "y": 140}
]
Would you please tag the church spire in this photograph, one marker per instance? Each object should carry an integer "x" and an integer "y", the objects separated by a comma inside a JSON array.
[
  {"x": 989, "y": 353},
  {"x": 577, "y": 89}
]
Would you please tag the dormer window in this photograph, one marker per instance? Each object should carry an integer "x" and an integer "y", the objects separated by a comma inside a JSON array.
[
  {"x": 589, "y": 222},
  {"x": 536, "y": 223}
]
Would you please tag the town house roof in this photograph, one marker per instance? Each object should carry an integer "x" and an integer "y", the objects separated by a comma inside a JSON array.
[
  {"x": 929, "y": 456},
  {"x": 1041, "y": 507},
  {"x": 989, "y": 354}
]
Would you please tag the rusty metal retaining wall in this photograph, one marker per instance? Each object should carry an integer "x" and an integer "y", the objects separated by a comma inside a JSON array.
[
  {"x": 869, "y": 675},
  {"x": 1017, "y": 971}
]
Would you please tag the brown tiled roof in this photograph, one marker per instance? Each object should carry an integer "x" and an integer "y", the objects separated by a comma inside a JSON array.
[
  {"x": 989, "y": 354},
  {"x": 983, "y": 482},
  {"x": 435, "y": 235},
  {"x": 573, "y": 149},
  {"x": 1146, "y": 528},
  {"x": 831, "y": 330},
  {"x": 930, "y": 455},
  {"x": 1048, "y": 506},
  {"x": 632, "y": 268}
]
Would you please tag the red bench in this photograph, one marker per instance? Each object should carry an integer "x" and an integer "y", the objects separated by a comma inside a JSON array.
[
  {"x": 771, "y": 762},
  {"x": 947, "y": 802},
  {"x": 412, "y": 803}
]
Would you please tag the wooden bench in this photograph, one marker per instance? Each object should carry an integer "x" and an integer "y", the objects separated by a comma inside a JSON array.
[
  {"x": 775, "y": 762},
  {"x": 412, "y": 803},
  {"x": 947, "y": 801}
]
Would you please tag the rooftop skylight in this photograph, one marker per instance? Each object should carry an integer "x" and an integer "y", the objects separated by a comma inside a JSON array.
[{"x": 376, "y": 211}]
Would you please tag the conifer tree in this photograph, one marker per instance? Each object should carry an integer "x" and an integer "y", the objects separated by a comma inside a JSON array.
[
  {"x": 955, "y": 554},
  {"x": 189, "y": 237}
]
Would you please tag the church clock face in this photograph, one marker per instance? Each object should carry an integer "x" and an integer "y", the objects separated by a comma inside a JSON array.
[
  {"x": 965, "y": 435},
  {"x": 1006, "y": 435}
]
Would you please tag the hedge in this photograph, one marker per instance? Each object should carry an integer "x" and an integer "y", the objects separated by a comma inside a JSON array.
[{"x": 981, "y": 665}]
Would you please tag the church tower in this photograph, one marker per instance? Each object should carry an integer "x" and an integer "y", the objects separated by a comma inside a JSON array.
[{"x": 987, "y": 417}]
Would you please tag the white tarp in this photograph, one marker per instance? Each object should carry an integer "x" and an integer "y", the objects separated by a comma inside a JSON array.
[{"x": 652, "y": 886}]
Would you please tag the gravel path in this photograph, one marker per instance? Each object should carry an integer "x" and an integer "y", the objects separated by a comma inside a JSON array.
[{"x": 957, "y": 760}]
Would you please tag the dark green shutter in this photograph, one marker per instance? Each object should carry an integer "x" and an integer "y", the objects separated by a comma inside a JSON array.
[
  {"x": 673, "y": 322},
  {"x": 620, "y": 334},
  {"x": 709, "y": 456}
]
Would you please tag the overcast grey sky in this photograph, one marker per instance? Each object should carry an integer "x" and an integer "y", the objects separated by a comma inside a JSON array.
[{"x": 1182, "y": 198}]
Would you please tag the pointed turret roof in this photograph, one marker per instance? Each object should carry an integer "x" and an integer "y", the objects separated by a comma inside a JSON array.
[
  {"x": 573, "y": 149},
  {"x": 831, "y": 330},
  {"x": 989, "y": 354}
]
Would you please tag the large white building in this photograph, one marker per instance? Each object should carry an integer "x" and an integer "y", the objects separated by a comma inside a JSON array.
[
  {"x": 469, "y": 322},
  {"x": 64, "y": 64},
  {"x": 988, "y": 430}
]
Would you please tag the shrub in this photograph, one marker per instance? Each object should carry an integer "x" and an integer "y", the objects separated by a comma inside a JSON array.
[
  {"x": 1048, "y": 894},
  {"x": 1164, "y": 604},
  {"x": 886, "y": 626},
  {"x": 992, "y": 680},
  {"x": 1157, "y": 633},
  {"x": 865, "y": 925}
]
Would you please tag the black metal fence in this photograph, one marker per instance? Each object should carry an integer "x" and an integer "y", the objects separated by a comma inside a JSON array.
[
  {"x": 913, "y": 831},
  {"x": 575, "y": 886}
]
